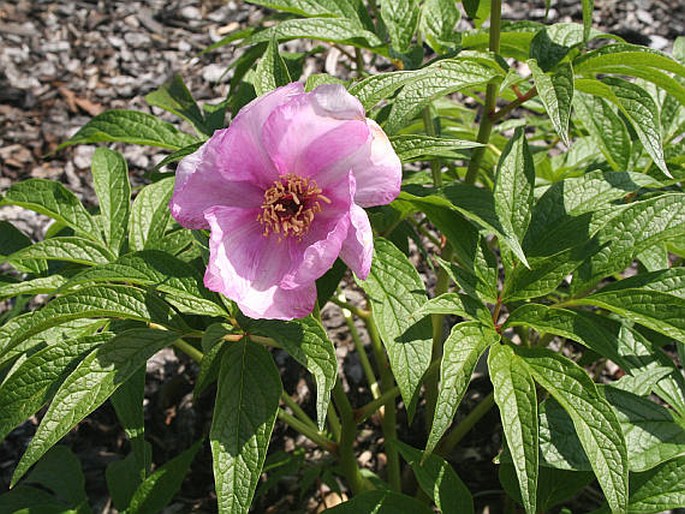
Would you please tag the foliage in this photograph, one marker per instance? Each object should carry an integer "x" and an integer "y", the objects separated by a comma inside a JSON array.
[{"x": 551, "y": 227}]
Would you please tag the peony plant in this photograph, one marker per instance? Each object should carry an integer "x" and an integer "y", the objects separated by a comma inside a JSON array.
[{"x": 500, "y": 209}]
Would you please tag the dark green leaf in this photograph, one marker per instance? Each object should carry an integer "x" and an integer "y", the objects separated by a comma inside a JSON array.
[
  {"x": 556, "y": 93},
  {"x": 110, "y": 180},
  {"x": 271, "y": 72},
  {"x": 150, "y": 215},
  {"x": 68, "y": 249},
  {"x": 173, "y": 96},
  {"x": 247, "y": 399},
  {"x": 381, "y": 502},
  {"x": 401, "y": 18},
  {"x": 334, "y": 30},
  {"x": 438, "y": 21}
]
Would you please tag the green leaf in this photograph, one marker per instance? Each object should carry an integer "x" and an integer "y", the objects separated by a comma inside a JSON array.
[
  {"x": 637, "y": 227},
  {"x": 33, "y": 383},
  {"x": 639, "y": 109},
  {"x": 213, "y": 346},
  {"x": 594, "y": 420},
  {"x": 413, "y": 147},
  {"x": 11, "y": 239},
  {"x": 93, "y": 381},
  {"x": 438, "y": 480},
  {"x": 396, "y": 292},
  {"x": 150, "y": 215},
  {"x": 611, "y": 339},
  {"x": 381, "y": 502},
  {"x": 513, "y": 189},
  {"x": 271, "y": 72},
  {"x": 68, "y": 249},
  {"x": 134, "y": 127},
  {"x": 55, "y": 201},
  {"x": 333, "y": 30},
  {"x": 662, "y": 312},
  {"x": 109, "y": 301},
  {"x": 378, "y": 87},
  {"x": 620, "y": 54},
  {"x": 247, "y": 399},
  {"x": 438, "y": 21},
  {"x": 464, "y": 346},
  {"x": 110, "y": 180},
  {"x": 515, "y": 396},
  {"x": 660, "y": 489},
  {"x": 435, "y": 81},
  {"x": 651, "y": 433},
  {"x": 606, "y": 128},
  {"x": 401, "y": 18},
  {"x": 41, "y": 285},
  {"x": 306, "y": 341},
  {"x": 181, "y": 284},
  {"x": 60, "y": 472},
  {"x": 160, "y": 487},
  {"x": 128, "y": 405},
  {"x": 173, "y": 96},
  {"x": 123, "y": 478},
  {"x": 177, "y": 155},
  {"x": 455, "y": 304},
  {"x": 556, "y": 93}
]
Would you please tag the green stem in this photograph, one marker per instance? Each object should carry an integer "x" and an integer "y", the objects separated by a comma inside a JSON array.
[
  {"x": 389, "y": 420},
  {"x": 361, "y": 351},
  {"x": 297, "y": 410},
  {"x": 532, "y": 93},
  {"x": 359, "y": 61},
  {"x": 189, "y": 350},
  {"x": 307, "y": 431},
  {"x": 348, "y": 460},
  {"x": 363, "y": 413},
  {"x": 485, "y": 128},
  {"x": 455, "y": 436},
  {"x": 334, "y": 422},
  {"x": 360, "y": 313},
  {"x": 266, "y": 341}
]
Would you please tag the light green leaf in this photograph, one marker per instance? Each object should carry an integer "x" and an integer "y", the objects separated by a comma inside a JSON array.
[
  {"x": 638, "y": 226},
  {"x": 381, "y": 502},
  {"x": 90, "y": 384},
  {"x": 620, "y": 54},
  {"x": 412, "y": 147},
  {"x": 455, "y": 304},
  {"x": 68, "y": 249},
  {"x": 438, "y": 480},
  {"x": 660, "y": 489},
  {"x": 180, "y": 282},
  {"x": 334, "y": 30},
  {"x": 556, "y": 93},
  {"x": 437, "y": 80},
  {"x": 247, "y": 399},
  {"x": 396, "y": 292},
  {"x": 41, "y": 285},
  {"x": 662, "y": 312},
  {"x": 134, "y": 127},
  {"x": 271, "y": 72},
  {"x": 438, "y": 21},
  {"x": 109, "y": 301},
  {"x": 594, "y": 420},
  {"x": 464, "y": 346},
  {"x": 173, "y": 96},
  {"x": 159, "y": 488},
  {"x": 513, "y": 189},
  {"x": 401, "y": 18},
  {"x": 515, "y": 396},
  {"x": 307, "y": 342},
  {"x": 110, "y": 180},
  {"x": 33, "y": 383},
  {"x": 150, "y": 215},
  {"x": 606, "y": 128},
  {"x": 177, "y": 155},
  {"x": 55, "y": 201},
  {"x": 378, "y": 87}
]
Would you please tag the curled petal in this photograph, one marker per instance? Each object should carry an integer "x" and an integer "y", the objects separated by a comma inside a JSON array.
[
  {"x": 357, "y": 250},
  {"x": 248, "y": 267},
  {"x": 314, "y": 131}
]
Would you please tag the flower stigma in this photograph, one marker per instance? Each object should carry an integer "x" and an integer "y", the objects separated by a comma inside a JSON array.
[{"x": 290, "y": 205}]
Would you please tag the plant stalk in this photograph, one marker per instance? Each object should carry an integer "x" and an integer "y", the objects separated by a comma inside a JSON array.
[
  {"x": 307, "y": 431},
  {"x": 189, "y": 350},
  {"x": 455, "y": 436},
  {"x": 346, "y": 455}
]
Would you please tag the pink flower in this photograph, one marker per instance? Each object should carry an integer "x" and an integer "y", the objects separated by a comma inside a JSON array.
[{"x": 282, "y": 191}]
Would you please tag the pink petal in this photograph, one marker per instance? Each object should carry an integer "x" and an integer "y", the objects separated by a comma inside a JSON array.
[
  {"x": 322, "y": 244},
  {"x": 376, "y": 167},
  {"x": 313, "y": 131},
  {"x": 198, "y": 187},
  {"x": 247, "y": 267},
  {"x": 357, "y": 250}
]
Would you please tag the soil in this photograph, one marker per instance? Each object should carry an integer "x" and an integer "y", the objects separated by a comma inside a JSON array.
[{"x": 63, "y": 62}]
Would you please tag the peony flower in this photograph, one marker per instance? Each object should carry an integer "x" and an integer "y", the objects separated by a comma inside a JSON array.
[{"x": 282, "y": 191}]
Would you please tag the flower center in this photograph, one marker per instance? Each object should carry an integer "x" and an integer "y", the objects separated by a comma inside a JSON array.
[{"x": 290, "y": 205}]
